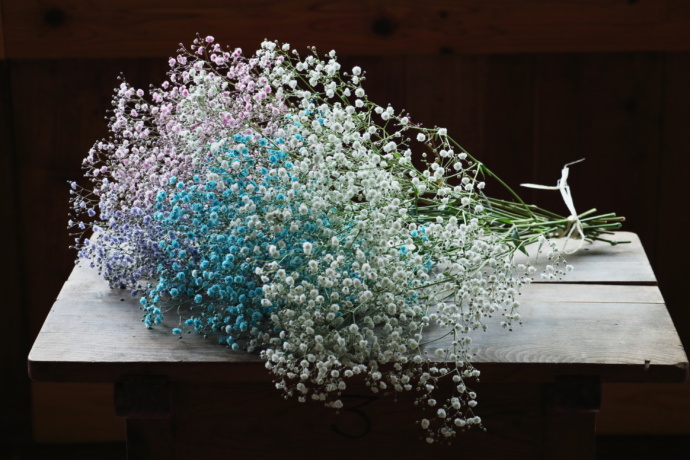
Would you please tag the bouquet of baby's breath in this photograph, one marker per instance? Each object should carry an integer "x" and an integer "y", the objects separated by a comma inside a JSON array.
[{"x": 282, "y": 212}]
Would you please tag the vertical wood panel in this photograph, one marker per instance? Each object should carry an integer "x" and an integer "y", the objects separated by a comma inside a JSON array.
[
  {"x": 14, "y": 402},
  {"x": 557, "y": 138},
  {"x": 73, "y": 97},
  {"x": 50, "y": 142},
  {"x": 673, "y": 250},
  {"x": 619, "y": 122},
  {"x": 384, "y": 78},
  {"x": 449, "y": 91},
  {"x": 607, "y": 109},
  {"x": 613, "y": 110},
  {"x": 486, "y": 102},
  {"x": 509, "y": 120},
  {"x": 58, "y": 113}
]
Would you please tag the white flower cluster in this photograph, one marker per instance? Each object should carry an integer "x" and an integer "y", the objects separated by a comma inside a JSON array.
[
  {"x": 298, "y": 207},
  {"x": 403, "y": 249}
]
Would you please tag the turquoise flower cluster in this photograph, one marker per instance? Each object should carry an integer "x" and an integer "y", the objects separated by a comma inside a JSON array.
[{"x": 213, "y": 246}]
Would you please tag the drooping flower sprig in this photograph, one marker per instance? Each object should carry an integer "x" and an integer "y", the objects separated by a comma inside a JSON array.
[{"x": 277, "y": 209}]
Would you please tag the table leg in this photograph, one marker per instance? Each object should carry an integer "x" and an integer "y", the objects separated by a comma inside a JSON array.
[
  {"x": 146, "y": 403},
  {"x": 150, "y": 439},
  {"x": 573, "y": 404}
]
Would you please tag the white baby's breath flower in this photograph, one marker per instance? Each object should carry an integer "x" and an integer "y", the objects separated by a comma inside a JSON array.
[{"x": 272, "y": 172}]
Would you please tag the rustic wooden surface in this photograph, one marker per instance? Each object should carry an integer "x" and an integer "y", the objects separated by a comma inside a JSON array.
[
  {"x": 128, "y": 28},
  {"x": 597, "y": 262},
  {"x": 620, "y": 332},
  {"x": 188, "y": 398}
]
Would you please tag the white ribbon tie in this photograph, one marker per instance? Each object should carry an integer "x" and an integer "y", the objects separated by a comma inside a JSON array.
[{"x": 574, "y": 223}]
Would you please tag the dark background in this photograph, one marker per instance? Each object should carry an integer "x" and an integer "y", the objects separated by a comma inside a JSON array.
[{"x": 525, "y": 85}]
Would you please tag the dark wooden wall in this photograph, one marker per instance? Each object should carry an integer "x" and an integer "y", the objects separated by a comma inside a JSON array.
[{"x": 526, "y": 86}]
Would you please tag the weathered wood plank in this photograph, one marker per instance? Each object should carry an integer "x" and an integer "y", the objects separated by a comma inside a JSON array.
[
  {"x": 623, "y": 333},
  {"x": 574, "y": 293},
  {"x": 598, "y": 262},
  {"x": 577, "y": 332},
  {"x": 126, "y": 28}
]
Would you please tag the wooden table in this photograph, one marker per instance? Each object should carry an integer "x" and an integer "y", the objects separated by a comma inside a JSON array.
[{"x": 538, "y": 396}]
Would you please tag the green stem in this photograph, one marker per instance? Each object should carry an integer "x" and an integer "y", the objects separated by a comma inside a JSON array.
[{"x": 489, "y": 173}]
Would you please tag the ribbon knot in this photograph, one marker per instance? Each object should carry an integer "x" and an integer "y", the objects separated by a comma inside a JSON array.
[{"x": 574, "y": 228}]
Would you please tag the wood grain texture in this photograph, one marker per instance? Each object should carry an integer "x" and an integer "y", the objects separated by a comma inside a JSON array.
[
  {"x": 614, "y": 340},
  {"x": 598, "y": 261},
  {"x": 622, "y": 333},
  {"x": 128, "y": 28}
]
